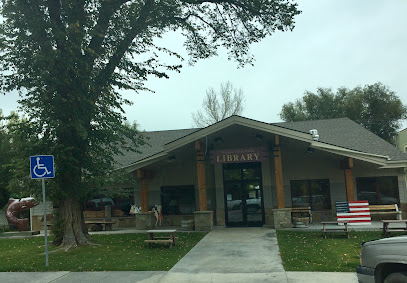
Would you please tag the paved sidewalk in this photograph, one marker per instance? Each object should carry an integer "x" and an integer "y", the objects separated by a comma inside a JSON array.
[
  {"x": 225, "y": 255},
  {"x": 234, "y": 250},
  {"x": 167, "y": 277},
  {"x": 242, "y": 255}
]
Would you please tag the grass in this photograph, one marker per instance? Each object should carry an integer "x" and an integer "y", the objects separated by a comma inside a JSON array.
[
  {"x": 119, "y": 252},
  {"x": 310, "y": 251}
]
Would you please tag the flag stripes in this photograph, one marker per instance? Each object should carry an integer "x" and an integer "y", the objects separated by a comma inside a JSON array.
[{"x": 353, "y": 212}]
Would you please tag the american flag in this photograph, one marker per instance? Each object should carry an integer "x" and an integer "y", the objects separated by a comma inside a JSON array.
[{"x": 354, "y": 212}]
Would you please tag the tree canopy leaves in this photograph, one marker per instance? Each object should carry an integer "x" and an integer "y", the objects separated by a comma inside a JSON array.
[
  {"x": 69, "y": 59},
  {"x": 375, "y": 107}
]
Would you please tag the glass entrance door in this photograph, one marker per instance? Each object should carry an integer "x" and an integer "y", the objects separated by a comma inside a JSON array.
[{"x": 243, "y": 194}]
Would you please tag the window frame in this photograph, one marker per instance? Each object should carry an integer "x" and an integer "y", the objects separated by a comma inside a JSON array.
[
  {"x": 177, "y": 191},
  {"x": 378, "y": 183},
  {"x": 326, "y": 202}
]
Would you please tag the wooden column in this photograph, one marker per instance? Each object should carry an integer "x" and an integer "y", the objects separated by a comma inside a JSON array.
[
  {"x": 144, "y": 195},
  {"x": 200, "y": 165},
  {"x": 348, "y": 165},
  {"x": 144, "y": 176},
  {"x": 278, "y": 171}
]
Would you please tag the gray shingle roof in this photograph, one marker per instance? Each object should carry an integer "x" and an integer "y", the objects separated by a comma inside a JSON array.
[
  {"x": 155, "y": 144},
  {"x": 345, "y": 133},
  {"x": 341, "y": 132}
]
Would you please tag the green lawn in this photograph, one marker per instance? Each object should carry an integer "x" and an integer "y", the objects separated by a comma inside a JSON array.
[
  {"x": 310, "y": 251},
  {"x": 118, "y": 252}
]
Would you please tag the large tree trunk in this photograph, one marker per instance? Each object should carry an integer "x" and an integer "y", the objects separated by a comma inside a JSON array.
[{"x": 75, "y": 232}]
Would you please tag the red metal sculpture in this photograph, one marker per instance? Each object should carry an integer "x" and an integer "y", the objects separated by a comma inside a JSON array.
[{"x": 15, "y": 207}]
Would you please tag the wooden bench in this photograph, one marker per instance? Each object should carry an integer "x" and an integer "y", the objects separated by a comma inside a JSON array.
[
  {"x": 107, "y": 224},
  {"x": 301, "y": 212},
  {"x": 387, "y": 229},
  {"x": 335, "y": 227},
  {"x": 385, "y": 209},
  {"x": 152, "y": 239}
]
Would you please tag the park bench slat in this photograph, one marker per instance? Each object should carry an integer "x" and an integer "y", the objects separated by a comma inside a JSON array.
[
  {"x": 158, "y": 241},
  {"x": 383, "y": 209},
  {"x": 165, "y": 238}
]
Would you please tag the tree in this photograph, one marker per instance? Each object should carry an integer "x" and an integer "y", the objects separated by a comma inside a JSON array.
[
  {"x": 375, "y": 107},
  {"x": 218, "y": 106},
  {"x": 5, "y": 174},
  {"x": 70, "y": 58}
]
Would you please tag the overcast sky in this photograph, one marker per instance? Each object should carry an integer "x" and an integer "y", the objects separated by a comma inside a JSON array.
[{"x": 334, "y": 44}]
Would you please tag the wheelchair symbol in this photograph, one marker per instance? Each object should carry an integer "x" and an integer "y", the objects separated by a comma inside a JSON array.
[{"x": 40, "y": 170}]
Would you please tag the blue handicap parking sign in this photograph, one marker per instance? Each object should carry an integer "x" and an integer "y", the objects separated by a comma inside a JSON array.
[{"x": 42, "y": 166}]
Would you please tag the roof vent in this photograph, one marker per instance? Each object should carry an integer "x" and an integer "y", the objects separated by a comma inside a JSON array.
[{"x": 314, "y": 134}]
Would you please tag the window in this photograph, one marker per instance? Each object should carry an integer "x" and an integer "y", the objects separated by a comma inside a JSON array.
[
  {"x": 122, "y": 201},
  {"x": 239, "y": 171},
  {"x": 378, "y": 190},
  {"x": 177, "y": 200},
  {"x": 312, "y": 193}
]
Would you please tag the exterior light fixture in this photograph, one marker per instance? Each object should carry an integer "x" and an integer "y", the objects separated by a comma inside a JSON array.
[
  {"x": 314, "y": 134},
  {"x": 171, "y": 158}
]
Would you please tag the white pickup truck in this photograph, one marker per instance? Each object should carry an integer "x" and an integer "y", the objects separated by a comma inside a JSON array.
[{"x": 383, "y": 260}]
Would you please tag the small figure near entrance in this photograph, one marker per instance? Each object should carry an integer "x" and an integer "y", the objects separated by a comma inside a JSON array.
[
  {"x": 158, "y": 214},
  {"x": 134, "y": 209}
]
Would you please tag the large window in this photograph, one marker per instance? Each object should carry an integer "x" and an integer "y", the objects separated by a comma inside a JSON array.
[
  {"x": 378, "y": 190},
  {"x": 178, "y": 200},
  {"x": 122, "y": 201},
  {"x": 312, "y": 193}
]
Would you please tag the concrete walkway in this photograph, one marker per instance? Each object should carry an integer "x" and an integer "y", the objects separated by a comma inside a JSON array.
[
  {"x": 225, "y": 255},
  {"x": 242, "y": 255}
]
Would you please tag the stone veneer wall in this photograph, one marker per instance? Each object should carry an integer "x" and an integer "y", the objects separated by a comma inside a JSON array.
[
  {"x": 203, "y": 220},
  {"x": 220, "y": 217},
  {"x": 269, "y": 217},
  {"x": 145, "y": 220},
  {"x": 175, "y": 220},
  {"x": 281, "y": 218},
  {"x": 403, "y": 208}
]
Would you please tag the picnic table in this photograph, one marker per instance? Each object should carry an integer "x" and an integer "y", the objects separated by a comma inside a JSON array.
[
  {"x": 387, "y": 229},
  {"x": 335, "y": 227},
  {"x": 153, "y": 238}
]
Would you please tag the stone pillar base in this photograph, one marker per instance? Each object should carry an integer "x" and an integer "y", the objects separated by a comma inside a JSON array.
[
  {"x": 145, "y": 220},
  {"x": 220, "y": 217},
  {"x": 403, "y": 209},
  {"x": 203, "y": 220},
  {"x": 269, "y": 217},
  {"x": 281, "y": 218}
]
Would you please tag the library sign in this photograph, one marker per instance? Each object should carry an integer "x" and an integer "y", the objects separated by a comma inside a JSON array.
[{"x": 238, "y": 155}]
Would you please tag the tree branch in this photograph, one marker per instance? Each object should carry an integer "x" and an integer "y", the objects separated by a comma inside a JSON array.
[
  {"x": 107, "y": 10},
  {"x": 102, "y": 79}
]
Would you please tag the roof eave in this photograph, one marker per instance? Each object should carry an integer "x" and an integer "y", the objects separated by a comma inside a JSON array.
[
  {"x": 237, "y": 120},
  {"x": 143, "y": 162},
  {"x": 395, "y": 164}
]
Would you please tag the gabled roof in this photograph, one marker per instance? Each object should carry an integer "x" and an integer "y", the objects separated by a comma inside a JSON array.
[
  {"x": 155, "y": 142},
  {"x": 343, "y": 132},
  {"x": 340, "y": 136}
]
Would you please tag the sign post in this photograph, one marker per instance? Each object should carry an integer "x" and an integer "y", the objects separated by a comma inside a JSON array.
[{"x": 42, "y": 167}]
